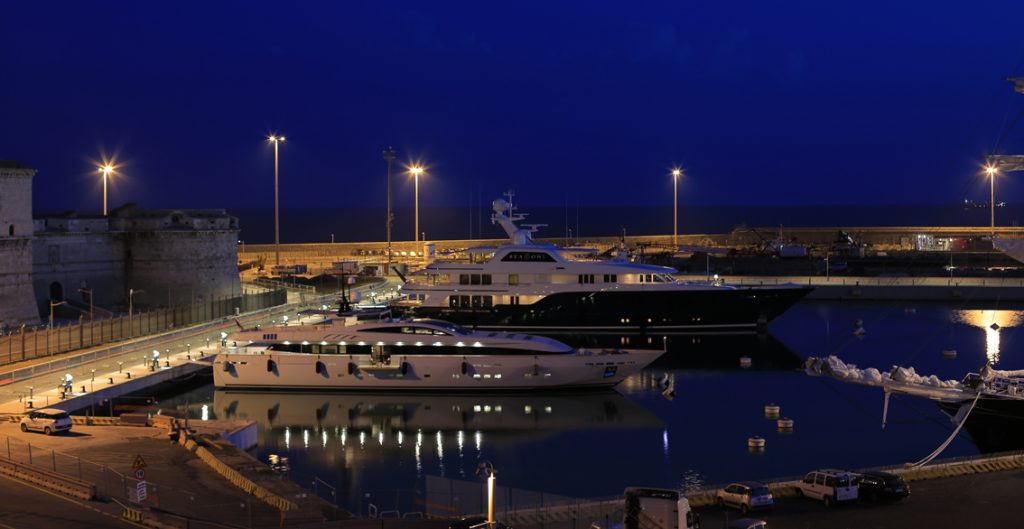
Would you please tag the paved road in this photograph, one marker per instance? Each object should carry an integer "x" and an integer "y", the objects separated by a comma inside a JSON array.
[
  {"x": 23, "y": 506},
  {"x": 979, "y": 500}
]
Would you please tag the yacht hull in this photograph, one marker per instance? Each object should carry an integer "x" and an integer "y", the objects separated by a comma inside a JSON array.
[
  {"x": 479, "y": 372},
  {"x": 996, "y": 424},
  {"x": 712, "y": 310}
]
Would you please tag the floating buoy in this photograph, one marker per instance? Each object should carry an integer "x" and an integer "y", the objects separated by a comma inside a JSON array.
[
  {"x": 271, "y": 366},
  {"x": 784, "y": 423},
  {"x": 858, "y": 323},
  {"x": 321, "y": 369},
  {"x": 949, "y": 354},
  {"x": 771, "y": 411},
  {"x": 465, "y": 368},
  {"x": 859, "y": 331},
  {"x": 405, "y": 368},
  {"x": 755, "y": 444},
  {"x": 746, "y": 362},
  {"x": 351, "y": 368}
]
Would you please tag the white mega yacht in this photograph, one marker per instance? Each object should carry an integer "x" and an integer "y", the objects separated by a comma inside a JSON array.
[
  {"x": 345, "y": 354},
  {"x": 532, "y": 286}
]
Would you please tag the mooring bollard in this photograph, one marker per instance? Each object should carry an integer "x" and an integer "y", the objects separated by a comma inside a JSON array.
[
  {"x": 128, "y": 374},
  {"x": 110, "y": 380}
]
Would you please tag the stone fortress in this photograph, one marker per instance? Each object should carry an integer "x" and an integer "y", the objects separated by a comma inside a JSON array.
[{"x": 173, "y": 256}]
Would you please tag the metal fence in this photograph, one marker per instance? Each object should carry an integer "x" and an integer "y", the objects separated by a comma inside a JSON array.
[
  {"x": 445, "y": 498},
  {"x": 25, "y": 344},
  {"x": 116, "y": 488}
]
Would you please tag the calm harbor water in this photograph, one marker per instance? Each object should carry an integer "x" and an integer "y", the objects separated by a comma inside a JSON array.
[{"x": 380, "y": 448}]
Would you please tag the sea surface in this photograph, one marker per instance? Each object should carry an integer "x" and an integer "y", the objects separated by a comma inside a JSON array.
[{"x": 382, "y": 449}]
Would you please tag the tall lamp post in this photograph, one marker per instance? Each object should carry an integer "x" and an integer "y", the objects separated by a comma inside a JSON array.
[
  {"x": 276, "y": 140},
  {"x": 89, "y": 292},
  {"x": 52, "y": 305},
  {"x": 131, "y": 296},
  {"x": 991, "y": 171},
  {"x": 416, "y": 171},
  {"x": 676, "y": 173},
  {"x": 106, "y": 170},
  {"x": 389, "y": 157}
]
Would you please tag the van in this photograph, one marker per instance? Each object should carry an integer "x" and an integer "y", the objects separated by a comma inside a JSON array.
[
  {"x": 650, "y": 508},
  {"x": 829, "y": 485},
  {"x": 46, "y": 420}
]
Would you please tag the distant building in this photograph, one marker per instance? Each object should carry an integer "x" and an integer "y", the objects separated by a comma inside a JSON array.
[{"x": 174, "y": 256}]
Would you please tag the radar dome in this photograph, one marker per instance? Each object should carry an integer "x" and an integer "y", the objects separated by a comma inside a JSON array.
[{"x": 500, "y": 205}]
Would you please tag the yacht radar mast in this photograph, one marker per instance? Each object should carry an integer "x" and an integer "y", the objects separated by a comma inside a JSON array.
[{"x": 505, "y": 214}]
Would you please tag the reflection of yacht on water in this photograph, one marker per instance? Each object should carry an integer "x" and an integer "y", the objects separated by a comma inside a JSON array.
[
  {"x": 412, "y": 411},
  {"x": 528, "y": 285},
  {"x": 414, "y": 355},
  {"x": 989, "y": 404}
]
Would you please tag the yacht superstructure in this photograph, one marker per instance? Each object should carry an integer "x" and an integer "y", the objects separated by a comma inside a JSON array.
[{"x": 534, "y": 286}]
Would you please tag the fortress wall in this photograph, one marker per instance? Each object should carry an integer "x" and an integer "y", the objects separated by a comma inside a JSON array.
[
  {"x": 16, "y": 302},
  {"x": 179, "y": 266},
  {"x": 62, "y": 263}
]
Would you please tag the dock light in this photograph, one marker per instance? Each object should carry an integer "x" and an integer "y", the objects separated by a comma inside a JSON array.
[
  {"x": 276, "y": 140},
  {"x": 416, "y": 170},
  {"x": 106, "y": 169},
  {"x": 991, "y": 171},
  {"x": 676, "y": 173}
]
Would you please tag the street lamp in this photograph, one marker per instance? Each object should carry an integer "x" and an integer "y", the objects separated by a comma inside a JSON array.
[
  {"x": 389, "y": 157},
  {"x": 991, "y": 171},
  {"x": 676, "y": 173},
  {"x": 416, "y": 171},
  {"x": 89, "y": 292},
  {"x": 276, "y": 140},
  {"x": 52, "y": 305},
  {"x": 106, "y": 170},
  {"x": 131, "y": 296}
]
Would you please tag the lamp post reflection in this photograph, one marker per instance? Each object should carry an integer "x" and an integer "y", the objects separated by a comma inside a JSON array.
[{"x": 992, "y": 322}]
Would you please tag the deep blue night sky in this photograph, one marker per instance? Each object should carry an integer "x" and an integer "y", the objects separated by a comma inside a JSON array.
[{"x": 761, "y": 102}]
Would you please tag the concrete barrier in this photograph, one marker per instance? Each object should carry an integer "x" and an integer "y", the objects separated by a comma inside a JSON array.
[
  {"x": 59, "y": 483},
  {"x": 238, "y": 480}
]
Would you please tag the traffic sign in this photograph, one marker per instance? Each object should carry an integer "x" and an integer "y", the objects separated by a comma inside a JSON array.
[
  {"x": 140, "y": 473},
  {"x": 139, "y": 462},
  {"x": 140, "y": 491}
]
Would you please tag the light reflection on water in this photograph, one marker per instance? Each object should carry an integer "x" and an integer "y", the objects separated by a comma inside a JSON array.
[
  {"x": 588, "y": 445},
  {"x": 992, "y": 322}
]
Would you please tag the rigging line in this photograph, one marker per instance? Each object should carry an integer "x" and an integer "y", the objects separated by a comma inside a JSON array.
[{"x": 949, "y": 440}]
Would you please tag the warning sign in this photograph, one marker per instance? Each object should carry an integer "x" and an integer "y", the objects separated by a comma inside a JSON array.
[{"x": 139, "y": 462}]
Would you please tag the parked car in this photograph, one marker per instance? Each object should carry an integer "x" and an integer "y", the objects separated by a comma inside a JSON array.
[
  {"x": 882, "y": 486},
  {"x": 46, "y": 420},
  {"x": 829, "y": 485},
  {"x": 748, "y": 523},
  {"x": 745, "y": 496}
]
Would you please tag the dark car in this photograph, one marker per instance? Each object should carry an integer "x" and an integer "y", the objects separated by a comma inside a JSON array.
[{"x": 882, "y": 486}]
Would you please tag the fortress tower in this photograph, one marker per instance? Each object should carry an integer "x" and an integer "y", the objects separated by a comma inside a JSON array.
[{"x": 17, "y": 301}]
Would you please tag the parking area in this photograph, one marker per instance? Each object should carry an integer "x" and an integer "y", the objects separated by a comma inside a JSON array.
[{"x": 976, "y": 500}]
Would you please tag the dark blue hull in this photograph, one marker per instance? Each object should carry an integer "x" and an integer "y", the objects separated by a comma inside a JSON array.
[{"x": 699, "y": 311}]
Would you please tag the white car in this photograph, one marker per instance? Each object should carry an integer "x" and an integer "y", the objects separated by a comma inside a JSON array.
[
  {"x": 745, "y": 496},
  {"x": 829, "y": 485},
  {"x": 46, "y": 420}
]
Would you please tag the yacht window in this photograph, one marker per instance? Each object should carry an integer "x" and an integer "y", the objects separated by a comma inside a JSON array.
[
  {"x": 485, "y": 279},
  {"x": 463, "y": 279},
  {"x": 474, "y": 279},
  {"x": 529, "y": 257},
  {"x": 513, "y": 300},
  {"x": 611, "y": 278},
  {"x": 513, "y": 279},
  {"x": 586, "y": 279}
]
